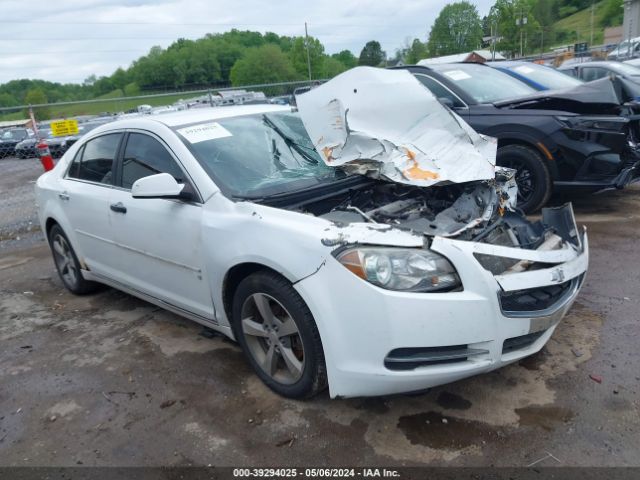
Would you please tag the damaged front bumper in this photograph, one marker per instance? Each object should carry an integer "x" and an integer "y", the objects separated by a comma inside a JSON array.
[{"x": 383, "y": 342}]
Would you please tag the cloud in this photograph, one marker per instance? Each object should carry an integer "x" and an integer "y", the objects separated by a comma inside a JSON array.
[{"x": 69, "y": 40}]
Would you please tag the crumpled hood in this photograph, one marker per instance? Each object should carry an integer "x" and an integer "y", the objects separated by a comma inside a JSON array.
[
  {"x": 597, "y": 97},
  {"x": 385, "y": 123}
]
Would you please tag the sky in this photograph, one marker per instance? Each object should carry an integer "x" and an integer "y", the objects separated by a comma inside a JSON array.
[{"x": 69, "y": 40}]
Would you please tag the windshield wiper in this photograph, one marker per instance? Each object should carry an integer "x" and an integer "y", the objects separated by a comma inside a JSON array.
[{"x": 290, "y": 142}]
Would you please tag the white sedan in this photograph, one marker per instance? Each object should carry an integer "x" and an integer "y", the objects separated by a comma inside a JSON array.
[{"x": 325, "y": 277}]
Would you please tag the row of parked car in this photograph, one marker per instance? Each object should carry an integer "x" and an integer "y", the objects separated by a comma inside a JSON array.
[
  {"x": 22, "y": 142},
  {"x": 559, "y": 132}
]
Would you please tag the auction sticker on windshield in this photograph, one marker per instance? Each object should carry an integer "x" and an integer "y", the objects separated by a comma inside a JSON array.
[
  {"x": 523, "y": 69},
  {"x": 204, "y": 132},
  {"x": 457, "y": 75}
]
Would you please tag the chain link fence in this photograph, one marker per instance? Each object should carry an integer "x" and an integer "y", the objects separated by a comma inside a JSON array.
[{"x": 259, "y": 93}]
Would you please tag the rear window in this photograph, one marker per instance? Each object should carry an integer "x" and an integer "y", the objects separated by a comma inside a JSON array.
[{"x": 94, "y": 161}]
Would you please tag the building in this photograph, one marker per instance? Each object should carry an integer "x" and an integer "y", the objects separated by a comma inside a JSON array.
[
  {"x": 25, "y": 123},
  {"x": 631, "y": 22},
  {"x": 477, "y": 56}
]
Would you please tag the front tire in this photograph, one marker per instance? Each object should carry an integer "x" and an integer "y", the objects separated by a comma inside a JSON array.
[
  {"x": 67, "y": 263},
  {"x": 532, "y": 175},
  {"x": 279, "y": 336}
]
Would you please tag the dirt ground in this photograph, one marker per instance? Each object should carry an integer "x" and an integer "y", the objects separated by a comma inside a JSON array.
[{"x": 108, "y": 379}]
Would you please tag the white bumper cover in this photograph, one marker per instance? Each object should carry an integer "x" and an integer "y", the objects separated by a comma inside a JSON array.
[{"x": 360, "y": 324}]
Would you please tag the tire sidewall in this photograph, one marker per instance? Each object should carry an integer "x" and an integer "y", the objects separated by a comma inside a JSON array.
[
  {"x": 290, "y": 299},
  {"x": 538, "y": 169},
  {"x": 77, "y": 287}
]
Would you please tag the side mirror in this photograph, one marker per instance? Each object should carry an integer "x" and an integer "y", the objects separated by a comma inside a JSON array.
[
  {"x": 161, "y": 185},
  {"x": 446, "y": 101}
]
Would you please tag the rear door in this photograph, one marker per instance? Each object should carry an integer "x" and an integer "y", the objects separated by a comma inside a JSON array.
[
  {"x": 84, "y": 198},
  {"x": 159, "y": 240}
]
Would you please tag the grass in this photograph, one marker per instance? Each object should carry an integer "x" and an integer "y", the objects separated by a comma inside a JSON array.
[
  {"x": 578, "y": 25},
  {"x": 94, "y": 108}
]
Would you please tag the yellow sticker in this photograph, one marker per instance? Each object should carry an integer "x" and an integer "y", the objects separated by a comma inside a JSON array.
[{"x": 64, "y": 128}]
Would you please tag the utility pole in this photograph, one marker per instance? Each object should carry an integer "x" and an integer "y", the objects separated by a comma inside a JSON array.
[
  {"x": 591, "y": 36},
  {"x": 306, "y": 41},
  {"x": 521, "y": 21}
]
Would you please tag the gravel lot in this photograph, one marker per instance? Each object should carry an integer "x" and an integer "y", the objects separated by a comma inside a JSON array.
[{"x": 108, "y": 379}]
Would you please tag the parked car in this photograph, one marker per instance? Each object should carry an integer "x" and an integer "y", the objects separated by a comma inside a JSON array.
[
  {"x": 595, "y": 70},
  {"x": 232, "y": 218},
  {"x": 625, "y": 50},
  {"x": 538, "y": 77},
  {"x": 10, "y": 137},
  {"x": 27, "y": 147},
  {"x": 538, "y": 134}
]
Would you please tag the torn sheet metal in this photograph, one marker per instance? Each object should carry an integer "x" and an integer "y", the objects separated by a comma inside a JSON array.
[{"x": 386, "y": 123}]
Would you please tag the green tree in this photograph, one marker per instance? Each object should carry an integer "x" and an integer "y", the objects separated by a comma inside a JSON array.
[
  {"x": 7, "y": 100},
  {"x": 332, "y": 67},
  {"x": 347, "y": 58},
  {"x": 508, "y": 15},
  {"x": 298, "y": 56},
  {"x": 372, "y": 54},
  {"x": 36, "y": 96},
  {"x": 457, "y": 29},
  {"x": 265, "y": 64},
  {"x": 416, "y": 52},
  {"x": 612, "y": 13}
]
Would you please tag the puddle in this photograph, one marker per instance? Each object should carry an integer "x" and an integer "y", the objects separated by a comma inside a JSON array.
[{"x": 429, "y": 429}]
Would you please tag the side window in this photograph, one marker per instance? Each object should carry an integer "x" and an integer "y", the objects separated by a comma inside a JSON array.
[
  {"x": 144, "y": 156},
  {"x": 94, "y": 162},
  {"x": 593, "y": 73},
  {"x": 439, "y": 90}
]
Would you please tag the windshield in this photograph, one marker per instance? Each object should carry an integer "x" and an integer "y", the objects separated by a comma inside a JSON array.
[
  {"x": 482, "y": 83},
  {"x": 13, "y": 135},
  {"x": 546, "y": 76},
  {"x": 256, "y": 156}
]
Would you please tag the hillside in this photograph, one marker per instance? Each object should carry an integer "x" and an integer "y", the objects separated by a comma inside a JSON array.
[{"x": 577, "y": 27}]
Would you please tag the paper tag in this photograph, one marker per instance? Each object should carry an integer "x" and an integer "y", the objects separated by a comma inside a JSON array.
[
  {"x": 457, "y": 75},
  {"x": 523, "y": 69},
  {"x": 204, "y": 131}
]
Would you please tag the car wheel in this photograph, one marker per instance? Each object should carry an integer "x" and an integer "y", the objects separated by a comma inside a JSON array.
[
  {"x": 532, "y": 175},
  {"x": 279, "y": 336},
  {"x": 67, "y": 263}
]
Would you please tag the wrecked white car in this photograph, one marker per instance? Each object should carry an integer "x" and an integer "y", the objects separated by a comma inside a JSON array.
[{"x": 367, "y": 245}]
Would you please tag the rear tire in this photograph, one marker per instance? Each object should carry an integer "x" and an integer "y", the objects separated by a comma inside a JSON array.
[
  {"x": 67, "y": 263},
  {"x": 532, "y": 176},
  {"x": 279, "y": 336}
]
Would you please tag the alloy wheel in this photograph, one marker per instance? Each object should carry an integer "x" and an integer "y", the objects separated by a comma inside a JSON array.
[
  {"x": 524, "y": 179},
  {"x": 273, "y": 338},
  {"x": 64, "y": 260}
]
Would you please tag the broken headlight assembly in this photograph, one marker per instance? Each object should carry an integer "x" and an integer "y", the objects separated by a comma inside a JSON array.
[
  {"x": 606, "y": 123},
  {"x": 401, "y": 269}
]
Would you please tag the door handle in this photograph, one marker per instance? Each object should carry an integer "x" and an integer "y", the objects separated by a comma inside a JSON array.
[
  {"x": 118, "y": 207},
  {"x": 63, "y": 196}
]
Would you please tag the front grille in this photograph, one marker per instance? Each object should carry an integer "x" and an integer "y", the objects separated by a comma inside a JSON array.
[
  {"x": 411, "y": 358},
  {"x": 521, "y": 342},
  {"x": 534, "y": 299}
]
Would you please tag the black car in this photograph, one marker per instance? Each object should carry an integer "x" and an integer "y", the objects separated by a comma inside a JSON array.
[
  {"x": 539, "y": 133},
  {"x": 27, "y": 147},
  {"x": 10, "y": 138}
]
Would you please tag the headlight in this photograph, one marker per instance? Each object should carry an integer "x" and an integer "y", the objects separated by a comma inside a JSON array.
[
  {"x": 404, "y": 269},
  {"x": 608, "y": 123}
]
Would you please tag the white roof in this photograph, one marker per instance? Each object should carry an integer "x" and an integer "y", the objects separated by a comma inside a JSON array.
[
  {"x": 184, "y": 117},
  {"x": 460, "y": 57}
]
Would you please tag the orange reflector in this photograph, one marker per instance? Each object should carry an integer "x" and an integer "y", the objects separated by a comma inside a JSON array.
[{"x": 545, "y": 150}]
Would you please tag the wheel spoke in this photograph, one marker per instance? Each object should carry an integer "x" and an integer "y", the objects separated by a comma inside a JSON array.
[
  {"x": 262, "y": 304},
  {"x": 57, "y": 246},
  {"x": 293, "y": 364},
  {"x": 270, "y": 364},
  {"x": 253, "y": 328},
  {"x": 288, "y": 327}
]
